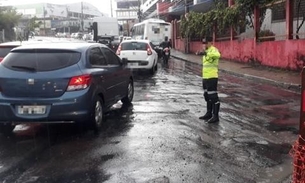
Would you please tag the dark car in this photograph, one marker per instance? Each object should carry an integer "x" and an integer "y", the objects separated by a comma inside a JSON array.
[
  {"x": 110, "y": 41},
  {"x": 61, "y": 82},
  {"x": 6, "y": 47},
  {"x": 115, "y": 43}
]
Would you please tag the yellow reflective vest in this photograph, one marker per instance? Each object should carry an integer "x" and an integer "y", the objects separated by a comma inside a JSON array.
[{"x": 210, "y": 63}]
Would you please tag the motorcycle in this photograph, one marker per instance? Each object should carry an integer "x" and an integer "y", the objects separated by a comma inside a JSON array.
[{"x": 166, "y": 55}]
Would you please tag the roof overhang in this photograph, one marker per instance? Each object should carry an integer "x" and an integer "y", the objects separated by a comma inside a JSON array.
[{"x": 201, "y": 6}]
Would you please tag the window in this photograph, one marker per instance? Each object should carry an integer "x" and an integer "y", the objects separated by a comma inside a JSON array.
[
  {"x": 112, "y": 59},
  {"x": 156, "y": 30},
  {"x": 134, "y": 46},
  {"x": 96, "y": 57},
  {"x": 279, "y": 10},
  {"x": 41, "y": 59},
  {"x": 5, "y": 50}
]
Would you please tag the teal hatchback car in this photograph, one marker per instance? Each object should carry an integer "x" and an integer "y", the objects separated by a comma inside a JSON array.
[{"x": 62, "y": 83}]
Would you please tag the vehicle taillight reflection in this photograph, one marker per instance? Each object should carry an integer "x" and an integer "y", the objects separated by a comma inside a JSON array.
[
  {"x": 118, "y": 52},
  {"x": 79, "y": 83},
  {"x": 149, "y": 52},
  {"x": 1, "y": 59}
]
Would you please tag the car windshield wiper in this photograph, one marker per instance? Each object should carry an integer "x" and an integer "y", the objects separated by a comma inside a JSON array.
[{"x": 24, "y": 67}]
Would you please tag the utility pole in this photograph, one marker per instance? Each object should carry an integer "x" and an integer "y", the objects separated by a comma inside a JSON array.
[
  {"x": 186, "y": 7},
  {"x": 111, "y": 8},
  {"x": 139, "y": 11},
  {"x": 186, "y": 42},
  {"x": 44, "y": 20},
  {"x": 82, "y": 16}
]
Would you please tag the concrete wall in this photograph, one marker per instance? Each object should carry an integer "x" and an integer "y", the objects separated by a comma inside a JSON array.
[{"x": 286, "y": 54}]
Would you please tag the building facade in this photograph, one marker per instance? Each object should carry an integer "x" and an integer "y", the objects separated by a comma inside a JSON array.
[
  {"x": 173, "y": 9},
  {"x": 127, "y": 14},
  {"x": 58, "y": 18}
]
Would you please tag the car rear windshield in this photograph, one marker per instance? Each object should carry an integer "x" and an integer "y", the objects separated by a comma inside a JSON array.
[
  {"x": 134, "y": 46},
  {"x": 40, "y": 59},
  {"x": 4, "y": 51}
]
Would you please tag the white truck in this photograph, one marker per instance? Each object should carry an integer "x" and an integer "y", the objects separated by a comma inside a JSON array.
[
  {"x": 106, "y": 31},
  {"x": 107, "y": 26}
]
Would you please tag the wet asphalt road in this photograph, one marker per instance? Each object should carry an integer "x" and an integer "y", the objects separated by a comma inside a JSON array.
[{"x": 160, "y": 138}]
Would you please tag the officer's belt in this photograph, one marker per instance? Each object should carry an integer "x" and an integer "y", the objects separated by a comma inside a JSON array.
[{"x": 210, "y": 66}]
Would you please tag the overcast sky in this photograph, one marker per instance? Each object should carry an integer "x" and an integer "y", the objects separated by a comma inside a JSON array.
[{"x": 102, "y": 5}]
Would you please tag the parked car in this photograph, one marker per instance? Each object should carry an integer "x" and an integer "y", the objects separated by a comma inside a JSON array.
[
  {"x": 5, "y": 48},
  {"x": 126, "y": 38},
  {"x": 111, "y": 42},
  {"x": 115, "y": 43},
  {"x": 62, "y": 82},
  {"x": 140, "y": 54}
]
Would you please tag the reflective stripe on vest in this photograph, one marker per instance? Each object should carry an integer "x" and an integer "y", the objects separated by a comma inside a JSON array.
[{"x": 212, "y": 92}]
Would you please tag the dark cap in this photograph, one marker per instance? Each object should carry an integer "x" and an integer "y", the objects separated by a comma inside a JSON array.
[{"x": 208, "y": 39}]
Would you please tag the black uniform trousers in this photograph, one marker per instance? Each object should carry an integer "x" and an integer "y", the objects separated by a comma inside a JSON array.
[{"x": 210, "y": 90}]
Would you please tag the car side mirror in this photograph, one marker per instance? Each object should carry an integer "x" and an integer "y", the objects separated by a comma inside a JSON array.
[{"x": 124, "y": 61}]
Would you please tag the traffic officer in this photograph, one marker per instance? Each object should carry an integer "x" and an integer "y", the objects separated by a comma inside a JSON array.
[{"x": 210, "y": 61}]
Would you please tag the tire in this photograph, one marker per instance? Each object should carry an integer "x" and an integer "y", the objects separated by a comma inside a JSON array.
[
  {"x": 97, "y": 116},
  {"x": 6, "y": 128},
  {"x": 130, "y": 92},
  {"x": 153, "y": 69},
  {"x": 165, "y": 59}
]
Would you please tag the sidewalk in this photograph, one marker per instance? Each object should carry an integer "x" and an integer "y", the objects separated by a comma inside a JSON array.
[{"x": 286, "y": 79}]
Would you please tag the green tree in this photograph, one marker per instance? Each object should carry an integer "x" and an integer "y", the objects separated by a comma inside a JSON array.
[
  {"x": 201, "y": 24},
  {"x": 33, "y": 23},
  {"x": 8, "y": 20}
]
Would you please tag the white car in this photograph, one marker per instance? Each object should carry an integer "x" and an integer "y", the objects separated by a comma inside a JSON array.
[{"x": 140, "y": 54}]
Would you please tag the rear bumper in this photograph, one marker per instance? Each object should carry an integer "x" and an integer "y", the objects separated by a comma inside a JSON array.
[
  {"x": 140, "y": 64},
  {"x": 71, "y": 107}
]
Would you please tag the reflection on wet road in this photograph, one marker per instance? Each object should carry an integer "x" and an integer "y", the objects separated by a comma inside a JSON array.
[{"x": 160, "y": 138}]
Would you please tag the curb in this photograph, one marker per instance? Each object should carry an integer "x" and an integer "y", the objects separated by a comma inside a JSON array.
[{"x": 289, "y": 86}]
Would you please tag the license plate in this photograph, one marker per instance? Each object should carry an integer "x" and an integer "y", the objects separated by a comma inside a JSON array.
[
  {"x": 31, "y": 109},
  {"x": 133, "y": 64},
  {"x": 166, "y": 53}
]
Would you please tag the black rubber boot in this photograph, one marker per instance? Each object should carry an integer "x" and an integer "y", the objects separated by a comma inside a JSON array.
[
  {"x": 208, "y": 114},
  {"x": 215, "y": 117}
]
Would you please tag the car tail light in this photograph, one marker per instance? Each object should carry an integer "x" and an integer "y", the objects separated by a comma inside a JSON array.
[
  {"x": 118, "y": 52},
  {"x": 149, "y": 52},
  {"x": 79, "y": 82},
  {"x": 1, "y": 59}
]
